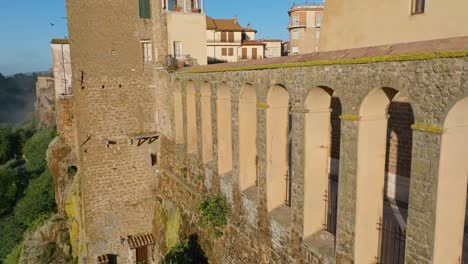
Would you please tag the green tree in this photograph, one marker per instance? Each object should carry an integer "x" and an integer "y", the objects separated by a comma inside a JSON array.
[
  {"x": 6, "y": 145},
  {"x": 9, "y": 178},
  {"x": 38, "y": 200},
  {"x": 11, "y": 233},
  {"x": 35, "y": 149}
]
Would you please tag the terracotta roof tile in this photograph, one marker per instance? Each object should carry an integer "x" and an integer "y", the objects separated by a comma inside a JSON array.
[
  {"x": 225, "y": 25},
  {"x": 429, "y": 46}
]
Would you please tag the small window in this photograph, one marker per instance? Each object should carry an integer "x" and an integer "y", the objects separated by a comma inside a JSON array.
[
  {"x": 295, "y": 50},
  {"x": 231, "y": 36},
  {"x": 295, "y": 34},
  {"x": 147, "y": 51},
  {"x": 145, "y": 9},
  {"x": 223, "y": 51},
  {"x": 177, "y": 49},
  {"x": 231, "y": 52},
  {"x": 295, "y": 20},
  {"x": 154, "y": 160},
  {"x": 418, "y": 6},
  {"x": 318, "y": 19}
]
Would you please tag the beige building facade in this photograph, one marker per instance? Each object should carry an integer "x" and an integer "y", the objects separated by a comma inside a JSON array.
[
  {"x": 186, "y": 23},
  {"x": 364, "y": 23},
  {"x": 273, "y": 48},
  {"x": 305, "y": 22},
  {"x": 61, "y": 66},
  {"x": 227, "y": 41}
]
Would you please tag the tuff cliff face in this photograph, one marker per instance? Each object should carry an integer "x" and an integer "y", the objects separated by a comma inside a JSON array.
[{"x": 50, "y": 243}]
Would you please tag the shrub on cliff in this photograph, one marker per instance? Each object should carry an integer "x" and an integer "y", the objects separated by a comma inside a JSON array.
[
  {"x": 213, "y": 213},
  {"x": 186, "y": 252},
  {"x": 35, "y": 149}
]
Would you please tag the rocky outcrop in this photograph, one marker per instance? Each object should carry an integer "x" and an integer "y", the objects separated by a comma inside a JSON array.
[
  {"x": 61, "y": 160},
  {"x": 50, "y": 243}
]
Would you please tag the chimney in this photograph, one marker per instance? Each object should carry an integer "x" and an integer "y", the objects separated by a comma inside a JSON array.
[
  {"x": 235, "y": 19},
  {"x": 248, "y": 25}
]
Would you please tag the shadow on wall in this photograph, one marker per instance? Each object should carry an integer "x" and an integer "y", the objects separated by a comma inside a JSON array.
[{"x": 399, "y": 153}]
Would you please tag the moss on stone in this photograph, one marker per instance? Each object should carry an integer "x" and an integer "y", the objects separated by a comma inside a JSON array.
[
  {"x": 428, "y": 128},
  {"x": 173, "y": 224},
  {"x": 262, "y": 105},
  {"x": 349, "y": 117},
  {"x": 72, "y": 209},
  {"x": 362, "y": 60}
]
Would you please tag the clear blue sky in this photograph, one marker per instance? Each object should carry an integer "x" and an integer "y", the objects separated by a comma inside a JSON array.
[{"x": 26, "y": 30}]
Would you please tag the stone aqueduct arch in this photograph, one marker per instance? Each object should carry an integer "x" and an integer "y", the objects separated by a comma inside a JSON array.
[
  {"x": 371, "y": 155},
  {"x": 452, "y": 186}
]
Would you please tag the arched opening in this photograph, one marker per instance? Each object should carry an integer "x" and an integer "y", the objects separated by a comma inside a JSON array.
[
  {"x": 207, "y": 137},
  {"x": 178, "y": 114},
  {"x": 322, "y": 139},
  {"x": 248, "y": 138},
  {"x": 384, "y": 163},
  {"x": 223, "y": 105},
  {"x": 278, "y": 146},
  {"x": 192, "y": 143},
  {"x": 452, "y": 188}
]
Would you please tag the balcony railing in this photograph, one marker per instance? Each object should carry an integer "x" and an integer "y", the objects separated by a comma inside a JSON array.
[{"x": 176, "y": 62}]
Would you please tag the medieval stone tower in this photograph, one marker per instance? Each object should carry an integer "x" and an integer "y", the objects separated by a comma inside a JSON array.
[{"x": 119, "y": 90}]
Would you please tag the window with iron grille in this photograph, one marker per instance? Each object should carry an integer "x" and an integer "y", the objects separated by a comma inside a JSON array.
[
  {"x": 145, "y": 9},
  {"x": 147, "y": 51},
  {"x": 418, "y": 7},
  {"x": 231, "y": 52},
  {"x": 223, "y": 51}
]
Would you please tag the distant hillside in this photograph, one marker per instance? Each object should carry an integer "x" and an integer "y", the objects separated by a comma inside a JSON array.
[{"x": 17, "y": 96}]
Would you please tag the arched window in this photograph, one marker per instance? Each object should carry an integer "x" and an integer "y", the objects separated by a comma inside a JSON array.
[
  {"x": 320, "y": 172},
  {"x": 207, "y": 136},
  {"x": 277, "y": 156},
  {"x": 192, "y": 143},
  {"x": 383, "y": 162},
  {"x": 178, "y": 113},
  {"x": 248, "y": 138},
  {"x": 452, "y": 187},
  {"x": 224, "y": 119}
]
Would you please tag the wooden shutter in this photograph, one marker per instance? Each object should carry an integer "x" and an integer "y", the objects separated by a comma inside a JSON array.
[
  {"x": 302, "y": 18},
  {"x": 223, "y": 36},
  {"x": 254, "y": 53},
  {"x": 142, "y": 254},
  {"x": 224, "y": 52},
  {"x": 244, "y": 53},
  {"x": 231, "y": 51},
  {"x": 145, "y": 10},
  {"x": 231, "y": 36}
]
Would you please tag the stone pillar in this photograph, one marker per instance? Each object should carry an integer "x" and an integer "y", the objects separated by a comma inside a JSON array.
[
  {"x": 347, "y": 189},
  {"x": 202, "y": 6},
  {"x": 422, "y": 198},
  {"x": 262, "y": 217},
  {"x": 235, "y": 152},
  {"x": 297, "y": 178}
]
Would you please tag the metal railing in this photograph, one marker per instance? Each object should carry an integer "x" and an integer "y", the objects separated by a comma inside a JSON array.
[
  {"x": 392, "y": 242},
  {"x": 176, "y": 62}
]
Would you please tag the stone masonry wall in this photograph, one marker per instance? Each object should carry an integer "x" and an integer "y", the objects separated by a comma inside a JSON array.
[{"x": 281, "y": 242}]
